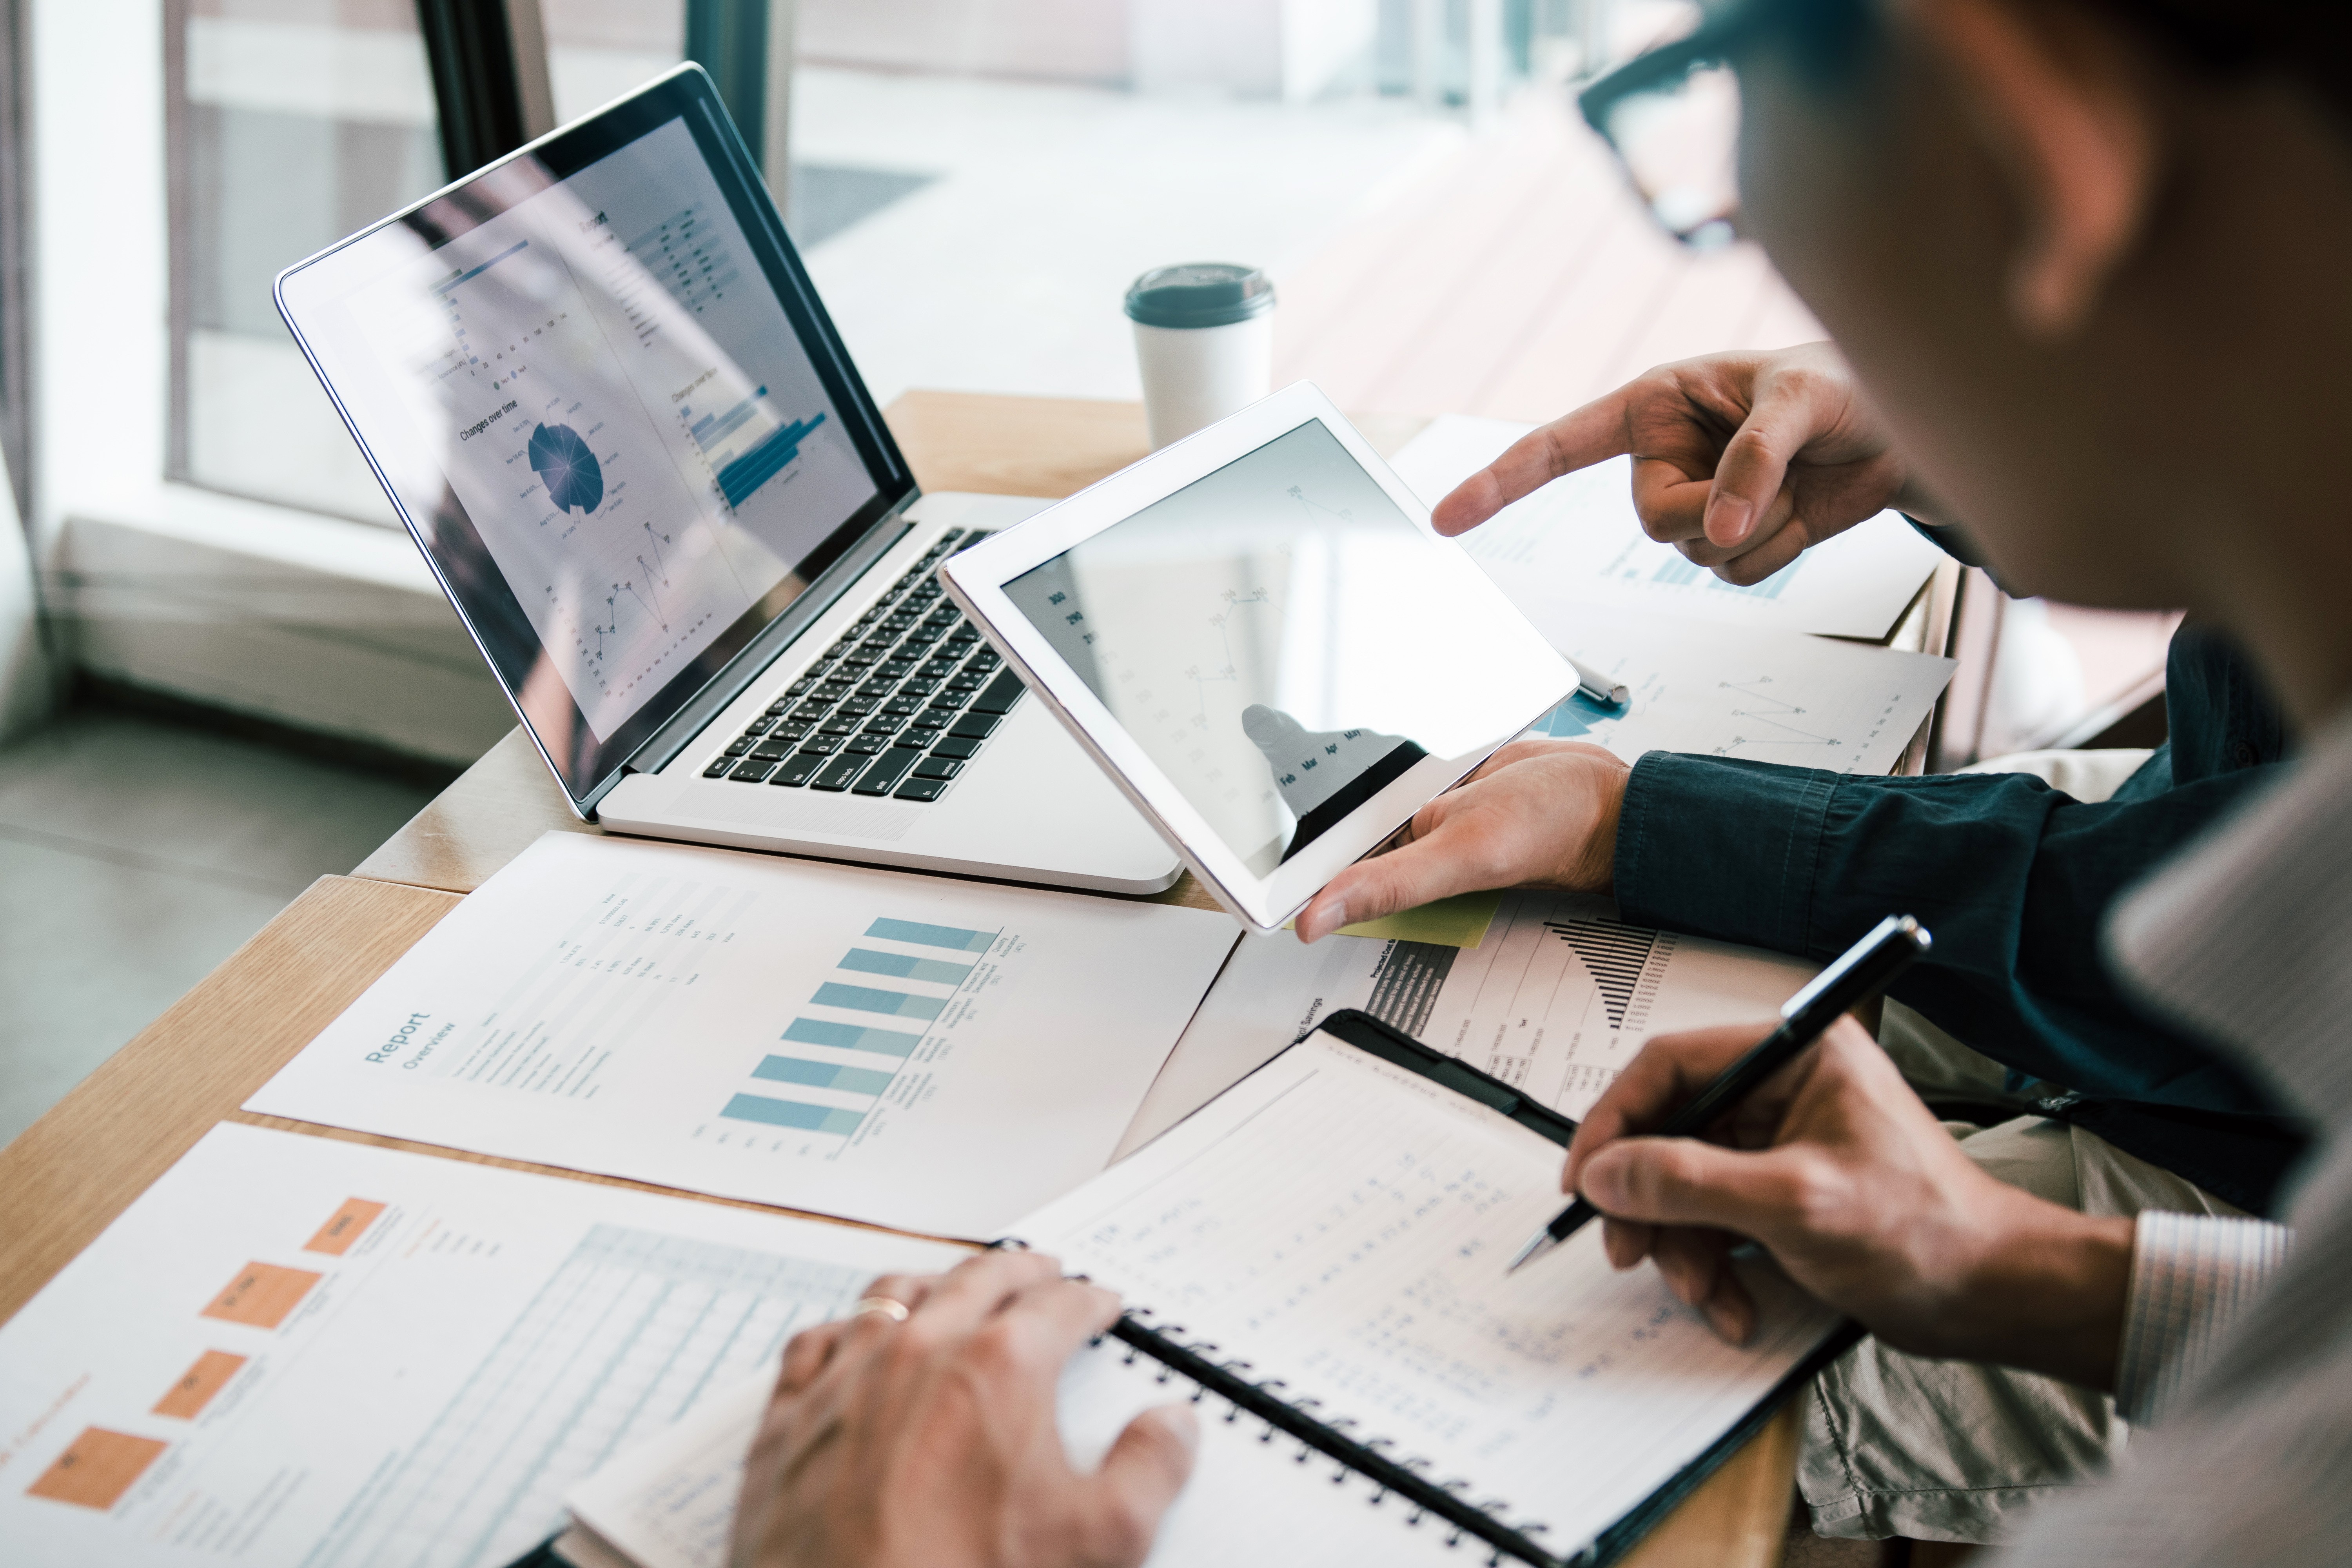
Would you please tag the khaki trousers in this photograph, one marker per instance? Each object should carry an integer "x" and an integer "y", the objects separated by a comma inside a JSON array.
[{"x": 1943, "y": 1450}]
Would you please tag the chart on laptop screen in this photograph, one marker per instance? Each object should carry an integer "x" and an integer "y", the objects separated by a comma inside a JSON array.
[{"x": 618, "y": 399}]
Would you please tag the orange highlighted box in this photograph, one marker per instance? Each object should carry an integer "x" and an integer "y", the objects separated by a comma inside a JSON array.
[
  {"x": 97, "y": 1468},
  {"x": 198, "y": 1384},
  {"x": 262, "y": 1294},
  {"x": 335, "y": 1237}
]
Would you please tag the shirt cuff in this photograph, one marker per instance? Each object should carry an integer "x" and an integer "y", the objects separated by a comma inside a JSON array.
[
  {"x": 1722, "y": 847},
  {"x": 2193, "y": 1276}
]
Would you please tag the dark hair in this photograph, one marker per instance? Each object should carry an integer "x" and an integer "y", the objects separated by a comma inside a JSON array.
[{"x": 2304, "y": 41}]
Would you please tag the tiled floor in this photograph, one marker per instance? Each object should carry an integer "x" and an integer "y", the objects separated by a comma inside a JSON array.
[{"x": 135, "y": 856}]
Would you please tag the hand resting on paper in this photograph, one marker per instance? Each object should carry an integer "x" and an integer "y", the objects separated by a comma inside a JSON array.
[
  {"x": 932, "y": 1443},
  {"x": 1837, "y": 1170},
  {"x": 1539, "y": 813},
  {"x": 1741, "y": 460}
]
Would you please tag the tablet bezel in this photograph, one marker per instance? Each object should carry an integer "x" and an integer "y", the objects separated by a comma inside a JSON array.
[{"x": 1537, "y": 677}]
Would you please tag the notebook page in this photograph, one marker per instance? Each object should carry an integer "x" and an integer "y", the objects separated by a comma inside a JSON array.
[
  {"x": 1252, "y": 1497},
  {"x": 1343, "y": 1225}
]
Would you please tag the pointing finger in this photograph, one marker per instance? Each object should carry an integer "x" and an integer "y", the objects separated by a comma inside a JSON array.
[{"x": 1594, "y": 433}]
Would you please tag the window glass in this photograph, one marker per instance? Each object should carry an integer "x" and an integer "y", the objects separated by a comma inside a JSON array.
[
  {"x": 295, "y": 123},
  {"x": 599, "y": 50},
  {"x": 974, "y": 182}
]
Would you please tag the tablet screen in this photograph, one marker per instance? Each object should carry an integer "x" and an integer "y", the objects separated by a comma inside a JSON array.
[{"x": 1268, "y": 636}]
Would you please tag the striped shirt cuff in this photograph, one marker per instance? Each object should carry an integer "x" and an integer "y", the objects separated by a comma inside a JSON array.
[{"x": 2193, "y": 1276}]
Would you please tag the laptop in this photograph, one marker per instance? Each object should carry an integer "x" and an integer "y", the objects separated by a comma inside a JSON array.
[{"x": 603, "y": 397}]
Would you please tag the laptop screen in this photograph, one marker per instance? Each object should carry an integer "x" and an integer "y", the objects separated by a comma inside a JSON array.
[{"x": 601, "y": 390}]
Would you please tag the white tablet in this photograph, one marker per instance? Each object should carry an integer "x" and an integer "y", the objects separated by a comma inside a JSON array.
[{"x": 1257, "y": 633}]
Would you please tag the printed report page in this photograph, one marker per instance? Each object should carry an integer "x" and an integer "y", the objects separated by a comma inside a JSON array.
[{"x": 298, "y": 1350}]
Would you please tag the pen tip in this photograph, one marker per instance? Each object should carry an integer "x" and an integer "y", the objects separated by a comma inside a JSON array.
[{"x": 1537, "y": 1244}]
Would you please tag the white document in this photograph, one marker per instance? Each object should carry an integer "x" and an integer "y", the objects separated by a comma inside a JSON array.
[
  {"x": 1742, "y": 691},
  {"x": 1343, "y": 1225},
  {"x": 1578, "y": 541},
  {"x": 1557, "y": 999},
  {"x": 1340, "y": 1225},
  {"x": 670, "y": 1502},
  {"x": 936, "y": 1055},
  {"x": 298, "y": 1350}
]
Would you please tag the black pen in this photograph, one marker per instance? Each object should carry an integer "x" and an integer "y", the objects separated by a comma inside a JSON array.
[{"x": 1862, "y": 971}]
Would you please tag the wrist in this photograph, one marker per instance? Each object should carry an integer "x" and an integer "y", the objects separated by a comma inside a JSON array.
[
  {"x": 1596, "y": 868},
  {"x": 2047, "y": 1291}
]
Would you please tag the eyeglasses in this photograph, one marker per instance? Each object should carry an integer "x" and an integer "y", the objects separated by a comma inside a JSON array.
[{"x": 1672, "y": 114}]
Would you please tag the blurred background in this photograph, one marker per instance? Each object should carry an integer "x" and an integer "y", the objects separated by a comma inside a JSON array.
[{"x": 223, "y": 670}]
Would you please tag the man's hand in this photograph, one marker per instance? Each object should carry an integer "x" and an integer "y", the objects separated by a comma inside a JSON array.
[
  {"x": 1837, "y": 1169},
  {"x": 932, "y": 1443},
  {"x": 1741, "y": 460},
  {"x": 1538, "y": 814}
]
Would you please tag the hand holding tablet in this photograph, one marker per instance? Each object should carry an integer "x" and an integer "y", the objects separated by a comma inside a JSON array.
[{"x": 1258, "y": 634}]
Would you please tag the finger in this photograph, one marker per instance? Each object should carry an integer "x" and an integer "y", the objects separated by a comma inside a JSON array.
[
  {"x": 1682, "y": 1181},
  {"x": 1600, "y": 430},
  {"x": 1755, "y": 460},
  {"x": 1140, "y": 1475},
  {"x": 1666, "y": 1071},
  {"x": 1670, "y": 503},
  {"x": 909, "y": 1290},
  {"x": 977, "y": 1288},
  {"x": 1626, "y": 1242},
  {"x": 807, "y": 1355},
  {"x": 1432, "y": 867},
  {"x": 1696, "y": 1266},
  {"x": 1769, "y": 555}
]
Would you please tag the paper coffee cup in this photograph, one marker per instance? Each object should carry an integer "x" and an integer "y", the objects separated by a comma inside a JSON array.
[{"x": 1205, "y": 342}]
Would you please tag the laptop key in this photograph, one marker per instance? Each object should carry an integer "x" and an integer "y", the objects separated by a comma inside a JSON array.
[
  {"x": 974, "y": 726},
  {"x": 957, "y": 747},
  {"x": 864, "y": 746},
  {"x": 1002, "y": 694},
  {"x": 888, "y": 770},
  {"x": 813, "y": 707},
  {"x": 718, "y": 769},
  {"x": 772, "y": 750},
  {"x": 820, "y": 746},
  {"x": 790, "y": 729},
  {"x": 855, "y": 707},
  {"x": 837, "y": 774},
  {"x": 837, "y": 726},
  {"x": 921, "y": 789},
  {"x": 796, "y": 771},
  {"x": 950, "y": 699},
  {"x": 883, "y": 724},
  {"x": 936, "y": 767},
  {"x": 750, "y": 771},
  {"x": 737, "y": 748}
]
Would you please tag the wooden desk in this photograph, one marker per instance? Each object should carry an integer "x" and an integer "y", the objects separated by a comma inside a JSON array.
[{"x": 69, "y": 1175}]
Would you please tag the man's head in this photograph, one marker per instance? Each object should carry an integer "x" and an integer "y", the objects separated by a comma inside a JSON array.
[{"x": 2091, "y": 264}]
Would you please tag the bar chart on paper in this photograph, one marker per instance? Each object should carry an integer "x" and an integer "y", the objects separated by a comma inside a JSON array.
[
  {"x": 450, "y": 1355},
  {"x": 840, "y": 1062},
  {"x": 820, "y": 1036}
]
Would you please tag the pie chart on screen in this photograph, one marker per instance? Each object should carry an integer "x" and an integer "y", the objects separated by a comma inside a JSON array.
[{"x": 566, "y": 465}]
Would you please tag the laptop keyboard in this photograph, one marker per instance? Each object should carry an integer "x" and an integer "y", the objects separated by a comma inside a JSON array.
[{"x": 900, "y": 706}]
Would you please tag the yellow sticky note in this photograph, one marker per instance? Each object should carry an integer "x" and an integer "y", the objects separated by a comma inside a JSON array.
[{"x": 1458, "y": 922}]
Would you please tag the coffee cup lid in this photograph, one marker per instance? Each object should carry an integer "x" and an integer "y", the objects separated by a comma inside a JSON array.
[{"x": 1199, "y": 294}]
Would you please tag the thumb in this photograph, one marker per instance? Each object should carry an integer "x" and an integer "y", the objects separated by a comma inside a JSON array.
[
  {"x": 1140, "y": 1477},
  {"x": 1749, "y": 475},
  {"x": 1420, "y": 872},
  {"x": 1682, "y": 1181}
]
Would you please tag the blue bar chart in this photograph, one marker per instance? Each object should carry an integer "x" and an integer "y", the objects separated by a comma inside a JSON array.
[
  {"x": 1680, "y": 573},
  {"x": 889, "y": 1047}
]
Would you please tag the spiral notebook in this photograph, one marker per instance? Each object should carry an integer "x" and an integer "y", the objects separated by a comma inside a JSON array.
[{"x": 1316, "y": 1260}]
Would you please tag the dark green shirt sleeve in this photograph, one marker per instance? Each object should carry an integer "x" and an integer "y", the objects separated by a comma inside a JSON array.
[{"x": 2013, "y": 878}]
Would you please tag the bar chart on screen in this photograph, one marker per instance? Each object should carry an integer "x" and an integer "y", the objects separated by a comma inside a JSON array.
[{"x": 821, "y": 1036}]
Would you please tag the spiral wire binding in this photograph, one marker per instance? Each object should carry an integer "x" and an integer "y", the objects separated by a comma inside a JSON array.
[{"x": 1291, "y": 1417}]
